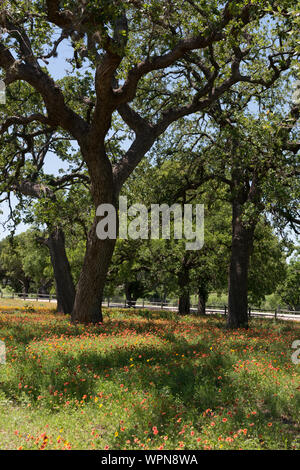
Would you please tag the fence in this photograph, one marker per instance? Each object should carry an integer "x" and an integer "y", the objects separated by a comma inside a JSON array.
[
  {"x": 30, "y": 297},
  {"x": 210, "y": 309},
  {"x": 277, "y": 313}
]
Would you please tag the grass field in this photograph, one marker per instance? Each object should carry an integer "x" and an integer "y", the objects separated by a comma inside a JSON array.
[{"x": 145, "y": 380}]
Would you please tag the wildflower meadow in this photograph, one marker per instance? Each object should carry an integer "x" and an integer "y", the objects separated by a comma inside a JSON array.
[{"x": 146, "y": 380}]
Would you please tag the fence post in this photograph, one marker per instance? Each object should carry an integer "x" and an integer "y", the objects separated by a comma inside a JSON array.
[
  {"x": 249, "y": 312},
  {"x": 225, "y": 310},
  {"x": 275, "y": 313},
  {"x": 107, "y": 302},
  {"x": 143, "y": 303}
]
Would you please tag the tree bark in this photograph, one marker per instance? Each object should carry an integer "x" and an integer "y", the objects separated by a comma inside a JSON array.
[
  {"x": 242, "y": 244},
  {"x": 184, "y": 304},
  {"x": 65, "y": 290},
  {"x": 26, "y": 285},
  {"x": 132, "y": 292},
  {"x": 184, "y": 293},
  {"x": 127, "y": 293},
  {"x": 89, "y": 292},
  {"x": 202, "y": 299}
]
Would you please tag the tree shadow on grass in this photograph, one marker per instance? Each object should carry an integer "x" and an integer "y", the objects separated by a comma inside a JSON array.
[
  {"x": 166, "y": 366},
  {"x": 168, "y": 371}
]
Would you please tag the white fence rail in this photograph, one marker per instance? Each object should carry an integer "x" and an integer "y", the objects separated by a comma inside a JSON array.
[
  {"x": 31, "y": 297},
  {"x": 277, "y": 313}
]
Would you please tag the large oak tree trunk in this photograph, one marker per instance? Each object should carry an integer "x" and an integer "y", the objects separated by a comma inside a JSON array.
[
  {"x": 65, "y": 290},
  {"x": 242, "y": 244},
  {"x": 184, "y": 304},
  {"x": 98, "y": 255},
  {"x": 89, "y": 292}
]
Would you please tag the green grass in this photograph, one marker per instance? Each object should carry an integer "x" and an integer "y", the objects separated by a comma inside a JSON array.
[{"x": 147, "y": 380}]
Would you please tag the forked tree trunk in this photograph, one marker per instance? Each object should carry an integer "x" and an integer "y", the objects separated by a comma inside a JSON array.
[
  {"x": 65, "y": 290},
  {"x": 242, "y": 244}
]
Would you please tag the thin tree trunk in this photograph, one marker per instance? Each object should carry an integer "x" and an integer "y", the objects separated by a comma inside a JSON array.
[
  {"x": 128, "y": 294},
  {"x": 202, "y": 299},
  {"x": 65, "y": 290},
  {"x": 26, "y": 285},
  {"x": 242, "y": 244},
  {"x": 184, "y": 293}
]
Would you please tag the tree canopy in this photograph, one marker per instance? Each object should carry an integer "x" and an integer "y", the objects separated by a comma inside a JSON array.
[{"x": 134, "y": 72}]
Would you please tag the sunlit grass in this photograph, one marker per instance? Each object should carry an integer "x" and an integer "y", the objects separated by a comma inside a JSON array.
[{"x": 18, "y": 303}]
